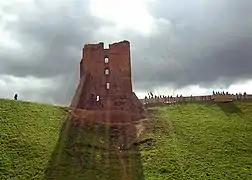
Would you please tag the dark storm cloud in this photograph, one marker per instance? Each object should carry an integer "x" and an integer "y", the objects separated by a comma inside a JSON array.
[
  {"x": 204, "y": 43},
  {"x": 194, "y": 42},
  {"x": 51, "y": 36}
]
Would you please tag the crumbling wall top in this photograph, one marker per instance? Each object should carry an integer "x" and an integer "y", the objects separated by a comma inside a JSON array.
[
  {"x": 101, "y": 45},
  {"x": 94, "y": 46},
  {"x": 120, "y": 44}
]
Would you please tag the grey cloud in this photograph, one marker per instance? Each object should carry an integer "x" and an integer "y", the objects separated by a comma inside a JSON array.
[
  {"x": 207, "y": 43},
  {"x": 197, "y": 42},
  {"x": 51, "y": 38},
  {"x": 65, "y": 86}
]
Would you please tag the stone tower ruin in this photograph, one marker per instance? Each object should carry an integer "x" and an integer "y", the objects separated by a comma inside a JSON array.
[{"x": 105, "y": 80}]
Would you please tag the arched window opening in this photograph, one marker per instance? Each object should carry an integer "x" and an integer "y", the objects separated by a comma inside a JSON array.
[
  {"x": 106, "y": 60},
  {"x": 106, "y": 71}
]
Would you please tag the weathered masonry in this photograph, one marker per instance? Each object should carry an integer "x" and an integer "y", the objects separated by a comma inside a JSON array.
[{"x": 105, "y": 79}]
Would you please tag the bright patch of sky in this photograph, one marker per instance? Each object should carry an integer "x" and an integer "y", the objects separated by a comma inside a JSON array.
[
  {"x": 196, "y": 90},
  {"x": 126, "y": 14}
]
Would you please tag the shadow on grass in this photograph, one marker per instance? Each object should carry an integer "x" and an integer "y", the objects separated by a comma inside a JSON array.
[
  {"x": 226, "y": 107},
  {"x": 90, "y": 152},
  {"x": 229, "y": 107}
]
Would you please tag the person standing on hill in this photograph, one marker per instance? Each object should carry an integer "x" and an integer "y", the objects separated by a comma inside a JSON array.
[
  {"x": 15, "y": 97},
  {"x": 245, "y": 95}
]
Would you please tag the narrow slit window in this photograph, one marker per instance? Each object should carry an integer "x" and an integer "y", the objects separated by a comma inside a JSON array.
[
  {"x": 106, "y": 60},
  {"x": 107, "y": 85},
  {"x": 106, "y": 71},
  {"x": 97, "y": 98}
]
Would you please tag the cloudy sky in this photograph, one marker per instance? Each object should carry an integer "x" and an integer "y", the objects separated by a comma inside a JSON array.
[{"x": 182, "y": 46}]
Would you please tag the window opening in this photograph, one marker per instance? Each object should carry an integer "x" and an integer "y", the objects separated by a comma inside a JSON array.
[
  {"x": 107, "y": 85},
  {"x": 106, "y": 60},
  {"x": 106, "y": 71},
  {"x": 97, "y": 98}
]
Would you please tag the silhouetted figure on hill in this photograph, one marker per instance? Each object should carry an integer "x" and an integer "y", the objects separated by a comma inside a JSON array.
[
  {"x": 15, "y": 97},
  {"x": 240, "y": 95},
  {"x": 245, "y": 95}
]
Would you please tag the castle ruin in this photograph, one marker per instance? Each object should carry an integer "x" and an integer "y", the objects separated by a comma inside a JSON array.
[{"x": 105, "y": 82}]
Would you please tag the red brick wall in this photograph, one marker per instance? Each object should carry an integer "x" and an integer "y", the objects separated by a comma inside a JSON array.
[
  {"x": 119, "y": 96},
  {"x": 119, "y": 68}
]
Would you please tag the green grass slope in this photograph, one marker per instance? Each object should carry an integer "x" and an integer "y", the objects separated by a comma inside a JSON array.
[
  {"x": 200, "y": 141},
  {"x": 190, "y": 141},
  {"x": 28, "y": 134}
]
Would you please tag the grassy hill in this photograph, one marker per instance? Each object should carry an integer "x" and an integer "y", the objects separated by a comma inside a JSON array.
[
  {"x": 28, "y": 134},
  {"x": 201, "y": 141},
  {"x": 189, "y": 141}
]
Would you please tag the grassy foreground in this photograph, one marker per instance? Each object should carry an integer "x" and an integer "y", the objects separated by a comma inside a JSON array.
[
  {"x": 201, "y": 141},
  {"x": 28, "y": 134},
  {"x": 191, "y": 141}
]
